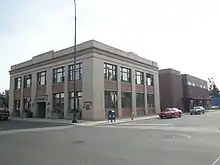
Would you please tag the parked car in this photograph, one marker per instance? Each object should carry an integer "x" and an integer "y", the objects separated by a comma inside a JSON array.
[
  {"x": 170, "y": 113},
  {"x": 197, "y": 110},
  {"x": 4, "y": 113}
]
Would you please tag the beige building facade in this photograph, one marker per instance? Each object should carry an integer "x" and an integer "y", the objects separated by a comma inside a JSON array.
[{"x": 106, "y": 78}]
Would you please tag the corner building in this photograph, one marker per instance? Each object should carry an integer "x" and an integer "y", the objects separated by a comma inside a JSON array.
[{"x": 106, "y": 78}]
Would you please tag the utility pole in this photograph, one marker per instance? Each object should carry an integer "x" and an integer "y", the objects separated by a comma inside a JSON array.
[{"x": 74, "y": 71}]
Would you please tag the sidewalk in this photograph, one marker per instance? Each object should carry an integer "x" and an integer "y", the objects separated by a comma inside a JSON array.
[{"x": 83, "y": 122}]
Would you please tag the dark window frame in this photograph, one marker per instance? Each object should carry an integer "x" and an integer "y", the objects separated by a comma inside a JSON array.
[
  {"x": 78, "y": 101},
  {"x": 140, "y": 75},
  {"x": 42, "y": 78},
  {"x": 126, "y": 97},
  {"x": 78, "y": 71},
  {"x": 111, "y": 101},
  {"x": 108, "y": 70},
  {"x": 150, "y": 100},
  {"x": 58, "y": 102},
  {"x": 140, "y": 100},
  {"x": 125, "y": 71},
  {"x": 149, "y": 79},
  {"x": 18, "y": 82},
  {"x": 28, "y": 81},
  {"x": 56, "y": 72}
]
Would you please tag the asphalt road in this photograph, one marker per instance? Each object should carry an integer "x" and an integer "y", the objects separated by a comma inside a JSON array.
[
  {"x": 13, "y": 124},
  {"x": 191, "y": 140}
]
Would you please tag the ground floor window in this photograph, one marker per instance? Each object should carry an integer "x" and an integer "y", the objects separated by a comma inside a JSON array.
[
  {"x": 58, "y": 102},
  {"x": 17, "y": 105},
  {"x": 27, "y": 104},
  {"x": 150, "y": 100},
  {"x": 126, "y": 99},
  {"x": 140, "y": 102},
  {"x": 79, "y": 103},
  {"x": 111, "y": 100}
]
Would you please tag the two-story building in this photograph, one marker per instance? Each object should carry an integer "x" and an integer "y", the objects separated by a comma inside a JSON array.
[
  {"x": 182, "y": 91},
  {"x": 106, "y": 78}
]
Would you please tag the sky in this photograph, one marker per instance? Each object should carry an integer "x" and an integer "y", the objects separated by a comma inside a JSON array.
[{"x": 179, "y": 34}]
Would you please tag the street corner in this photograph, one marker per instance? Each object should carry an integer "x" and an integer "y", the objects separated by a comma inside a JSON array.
[{"x": 87, "y": 124}]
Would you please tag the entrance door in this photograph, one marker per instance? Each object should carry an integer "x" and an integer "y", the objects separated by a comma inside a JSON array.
[{"x": 41, "y": 109}]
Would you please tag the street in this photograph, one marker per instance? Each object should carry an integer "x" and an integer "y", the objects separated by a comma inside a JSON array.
[{"x": 190, "y": 140}]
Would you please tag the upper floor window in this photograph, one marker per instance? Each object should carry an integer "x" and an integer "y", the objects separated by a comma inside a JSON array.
[
  {"x": 41, "y": 78},
  {"x": 78, "y": 71},
  {"x": 18, "y": 83},
  {"x": 27, "y": 81},
  {"x": 125, "y": 74},
  {"x": 150, "y": 79},
  {"x": 139, "y": 77},
  {"x": 110, "y": 72},
  {"x": 58, "y": 75}
]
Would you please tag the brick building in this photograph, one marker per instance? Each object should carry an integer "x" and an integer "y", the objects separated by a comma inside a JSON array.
[
  {"x": 106, "y": 78},
  {"x": 182, "y": 90}
]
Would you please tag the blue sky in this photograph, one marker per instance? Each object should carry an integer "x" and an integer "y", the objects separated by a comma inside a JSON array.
[{"x": 175, "y": 33}]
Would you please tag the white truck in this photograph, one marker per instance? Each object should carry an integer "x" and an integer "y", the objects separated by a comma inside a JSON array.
[{"x": 197, "y": 110}]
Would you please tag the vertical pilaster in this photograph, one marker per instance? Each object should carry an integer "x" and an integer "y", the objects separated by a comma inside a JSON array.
[
  {"x": 33, "y": 92},
  {"x": 156, "y": 93},
  {"x": 145, "y": 94},
  {"x": 22, "y": 94},
  {"x": 49, "y": 92},
  {"x": 66, "y": 93},
  {"x": 133, "y": 91},
  {"x": 119, "y": 92}
]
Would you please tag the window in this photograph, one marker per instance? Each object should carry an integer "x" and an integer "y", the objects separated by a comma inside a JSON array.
[
  {"x": 125, "y": 74},
  {"x": 200, "y": 86},
  {"x": 27, "y": 81},
  {"x": 139, "y": 77},
  {"x": 110, "y": 100},
  {"x": 126, "y": 99},
  {"x": 58, "y": 102},
  {"x": 41, "y": 78},
  {"x": 189, "y": 83},
  {"x": 79, "y": 103},
  {"x": 110, "y": 72},
  {"x": 193, "y": 84},
  {"x": 140, "y": 102},
  {"x": 78, "y": 72},
  {"x": 204, "y": 87},
  {"x": 150, "y": 79},
  {"x": 58, "y": 75},
  {"x": 150, "y": 100},
  {"x": 17, "y": 105},
  {"x": 27, "y": 104},
  {"x": 18, "y": 83}
]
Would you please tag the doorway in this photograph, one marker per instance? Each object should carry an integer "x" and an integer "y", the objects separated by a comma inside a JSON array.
[{"x": 41, "y": 109}]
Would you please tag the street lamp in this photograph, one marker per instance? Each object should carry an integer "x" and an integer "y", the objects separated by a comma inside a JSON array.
[{"x": 74, "y": 70}]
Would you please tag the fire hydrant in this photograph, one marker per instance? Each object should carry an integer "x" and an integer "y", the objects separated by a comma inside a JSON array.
[{"x": 132, "y": 115}]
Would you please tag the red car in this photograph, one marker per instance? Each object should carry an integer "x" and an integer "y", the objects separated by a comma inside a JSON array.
[{"x": 170, "y": 113}]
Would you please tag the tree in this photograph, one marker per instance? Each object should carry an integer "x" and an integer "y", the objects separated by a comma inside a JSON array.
[
  {"x": 4, "y": 98},
  {"x": 213, "y": 89}
]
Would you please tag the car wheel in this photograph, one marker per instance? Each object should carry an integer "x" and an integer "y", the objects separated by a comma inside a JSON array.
[
  {"x": 180, "y": 114},
  {"x": 161, "y": 117},
  {"x": 203, "y": 112},
  {"x": 191, "y": 113}
]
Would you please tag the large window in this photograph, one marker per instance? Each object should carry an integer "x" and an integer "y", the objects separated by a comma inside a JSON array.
[
  {"x": 27, "y": 104},
  {"x": 27, "y": 81},
  {"x": 41, "y": 78},
  {"x": 58, "y": 102},
  {"x": 79, "y": 103},
  {"x": 110, "y": 100},
  {"x": 150, "y": 100},
  {"x": 78, "y": 71},
  {"x": 58, "y": 75},
  {"x": 139, "y": 77},
  {"x": 110, "y": 72},
  {"x": 126, "y": 99},
  {"x": 125, "y": 74},
  {"x": 150, "y": 79},
  {"x": 140, "y": 102},
  {"x": 18, "y": 83}
]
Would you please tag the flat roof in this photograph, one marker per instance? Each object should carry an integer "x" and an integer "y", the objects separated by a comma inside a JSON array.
[{"x": 80, "y": 47}]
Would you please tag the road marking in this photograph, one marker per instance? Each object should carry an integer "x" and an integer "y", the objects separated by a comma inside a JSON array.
[
  {"x": 5, "y": 132},
  {"x": 130, "y": 124},
  {"x": 216, "y": 160}
]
